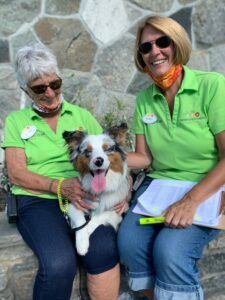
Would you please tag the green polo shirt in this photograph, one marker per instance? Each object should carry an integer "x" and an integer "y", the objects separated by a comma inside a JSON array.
[
  {"x": 46, "y": 151},
  {"x": 183, "y": 146}
]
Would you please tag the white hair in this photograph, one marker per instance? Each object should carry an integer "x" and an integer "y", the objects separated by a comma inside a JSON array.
[{"x": 32, "y": 62}]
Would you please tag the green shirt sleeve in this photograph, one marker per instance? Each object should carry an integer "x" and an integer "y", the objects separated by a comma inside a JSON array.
[
  {"x": 216, "y": 108},
  {"x": 12, "y": 133}
]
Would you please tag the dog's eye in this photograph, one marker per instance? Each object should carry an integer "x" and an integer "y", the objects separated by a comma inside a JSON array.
[
  {"x": 111, "y": 149},
  {"x": 87, "y": 153}
]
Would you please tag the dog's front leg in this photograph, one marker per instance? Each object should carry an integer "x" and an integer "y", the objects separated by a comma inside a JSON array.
[{"x": 77, "y": 219}]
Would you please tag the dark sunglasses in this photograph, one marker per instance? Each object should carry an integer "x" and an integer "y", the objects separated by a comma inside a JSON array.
[
  {"x": 162, "y": 42},
  {"x": 41, "y": 88}
]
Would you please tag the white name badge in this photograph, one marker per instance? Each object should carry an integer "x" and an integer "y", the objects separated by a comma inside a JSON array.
[
  {"x": 28, "y": 132},
  {"x": 150, "y": 118}
]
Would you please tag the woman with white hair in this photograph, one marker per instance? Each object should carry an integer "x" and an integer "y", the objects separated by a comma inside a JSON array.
[{"x": 39, "y": 168}]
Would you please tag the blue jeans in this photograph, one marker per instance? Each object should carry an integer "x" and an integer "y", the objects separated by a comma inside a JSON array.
[
  {"x": 45, "y": 230},
  {"x": 162, "y": 258}
]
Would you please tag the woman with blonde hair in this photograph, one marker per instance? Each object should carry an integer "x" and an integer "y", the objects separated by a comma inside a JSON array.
[{"x": 179, "y": 126}]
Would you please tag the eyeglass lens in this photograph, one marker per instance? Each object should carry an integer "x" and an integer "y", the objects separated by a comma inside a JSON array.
[
  {"x": 162, "y": 42},
  {"x": 41, "y": 88}
]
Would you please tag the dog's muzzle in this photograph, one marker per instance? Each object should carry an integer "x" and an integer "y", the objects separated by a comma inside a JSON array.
[{"x": 99, "y": 161}]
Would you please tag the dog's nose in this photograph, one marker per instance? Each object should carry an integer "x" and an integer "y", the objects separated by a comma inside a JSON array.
[{"x": 99, "y": 161}]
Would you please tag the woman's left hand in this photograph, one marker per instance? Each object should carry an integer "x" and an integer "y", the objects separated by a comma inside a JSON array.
[{"x": 181, "y": 213}]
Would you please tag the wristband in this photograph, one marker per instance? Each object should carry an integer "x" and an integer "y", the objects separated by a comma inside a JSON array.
[
  {"x": 63, "y": 203},
  {"x": 50, "y": 185}
]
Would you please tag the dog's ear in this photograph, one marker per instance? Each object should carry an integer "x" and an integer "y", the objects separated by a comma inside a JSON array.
[
  {"x": 74, "y": 138},
  {"x": 119, "y": 133}
]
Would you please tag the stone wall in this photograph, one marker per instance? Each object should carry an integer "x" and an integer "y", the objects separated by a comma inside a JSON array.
[
  {"x": 94, "y": 41},
  {"x": 18, "y": 266}
]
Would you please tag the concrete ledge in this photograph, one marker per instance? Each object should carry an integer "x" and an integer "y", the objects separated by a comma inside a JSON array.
[{"x": 18, "y": 267}]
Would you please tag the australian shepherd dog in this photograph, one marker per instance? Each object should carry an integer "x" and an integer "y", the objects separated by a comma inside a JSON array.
[{"x": 101, "y": 162}]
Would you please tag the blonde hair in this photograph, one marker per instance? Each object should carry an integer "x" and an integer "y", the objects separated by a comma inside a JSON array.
[{"x": 171, "y": 28}]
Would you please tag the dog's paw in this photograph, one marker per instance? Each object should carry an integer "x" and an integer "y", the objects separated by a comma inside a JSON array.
[{"x": 82, "y": 241}]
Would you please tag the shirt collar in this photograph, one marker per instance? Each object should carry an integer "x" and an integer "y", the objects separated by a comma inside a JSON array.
[{"x": 66, "y": 108}]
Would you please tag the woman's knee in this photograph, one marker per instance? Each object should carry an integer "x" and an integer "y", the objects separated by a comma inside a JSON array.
[
  {"x": 103, "y": 252},
  {"x": 62, "y": 267}
]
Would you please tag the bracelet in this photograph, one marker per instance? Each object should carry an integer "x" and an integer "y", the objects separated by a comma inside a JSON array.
[
  {"x": 63, "y": 203},
  {"x": 50, "y": 185}
]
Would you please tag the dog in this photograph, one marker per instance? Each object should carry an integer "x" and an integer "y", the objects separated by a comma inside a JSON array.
[{"x": 101, "y": 163}]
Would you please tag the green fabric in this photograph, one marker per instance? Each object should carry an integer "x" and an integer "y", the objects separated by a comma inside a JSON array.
[
  {"x": 46, "y": 151},
  {"x": 183, "y": 147}
]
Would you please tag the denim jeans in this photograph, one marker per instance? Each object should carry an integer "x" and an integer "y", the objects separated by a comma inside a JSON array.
[
  {"x": 162, "y": 258},
  {"x": 45, "y": 230}
]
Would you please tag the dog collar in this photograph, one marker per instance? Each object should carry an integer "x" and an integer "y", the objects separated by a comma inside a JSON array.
[{"x": 88, "y": 218}]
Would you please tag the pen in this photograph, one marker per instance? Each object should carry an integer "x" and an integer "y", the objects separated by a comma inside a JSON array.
[{"x": 152, "y": 220}]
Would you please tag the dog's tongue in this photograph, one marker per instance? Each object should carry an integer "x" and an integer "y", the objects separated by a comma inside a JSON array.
[{"x": 99, "y": 181}]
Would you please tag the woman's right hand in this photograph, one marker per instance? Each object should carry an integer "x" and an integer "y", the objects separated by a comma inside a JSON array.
[{"x": 72, "y": 190}]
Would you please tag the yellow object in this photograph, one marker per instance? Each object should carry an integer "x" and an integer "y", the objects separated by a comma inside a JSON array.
[
  {"x": 63, "y": 203},
  {"x": 152, "y": 220}
]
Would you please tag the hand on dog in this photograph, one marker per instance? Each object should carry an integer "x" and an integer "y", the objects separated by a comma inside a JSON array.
[
  {"x": 72, "y": 190},
  {"x": 122, "y": 207}
]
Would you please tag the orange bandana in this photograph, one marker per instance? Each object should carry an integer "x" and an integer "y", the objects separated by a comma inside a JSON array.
[{"x": 166, "y": 80}]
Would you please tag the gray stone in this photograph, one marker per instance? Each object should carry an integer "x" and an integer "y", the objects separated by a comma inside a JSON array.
[
  {"x": 106, "y": 22},
  {"x": 7, "y": 295},
  {"x": 209, "y": 22},
  {"x": 22, "y": 279},
  {"x": 25, "y": 37},
  {"x": 4, "y": 51},
  {"x": 214, "y": 286},
  {"x": 13, "y": 14},
  {"x": 17, "y": 252},
  {"x": 217, "y": 59},
  {"x": 114, "y": 108},
  {"x": 154, "y": 5},
  {"x": 218, "y": 244},
  {"x": 186, "y": 1},
  {"x": 115, "y": 64},
  {"x": 72, "y": 45},
  {"x": 213, "y": 264},
  {"x": 199, "y": 61},
  {"x": 9, "y": 233},
  {"x": 133, "y": 13},
  {"x": 10, "y": 101},
  {"x": 139, "y": 82},
  {"x": 62, "y": 7},
  {"x": 9, "y": 91},
  {"x": 7, "y": 77},
  {"x": 217, "y": 297},
  {"x": 81, "y": 88},
  {"x": 3, "y": 277},
  {"x": 183, "y": 16}
]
